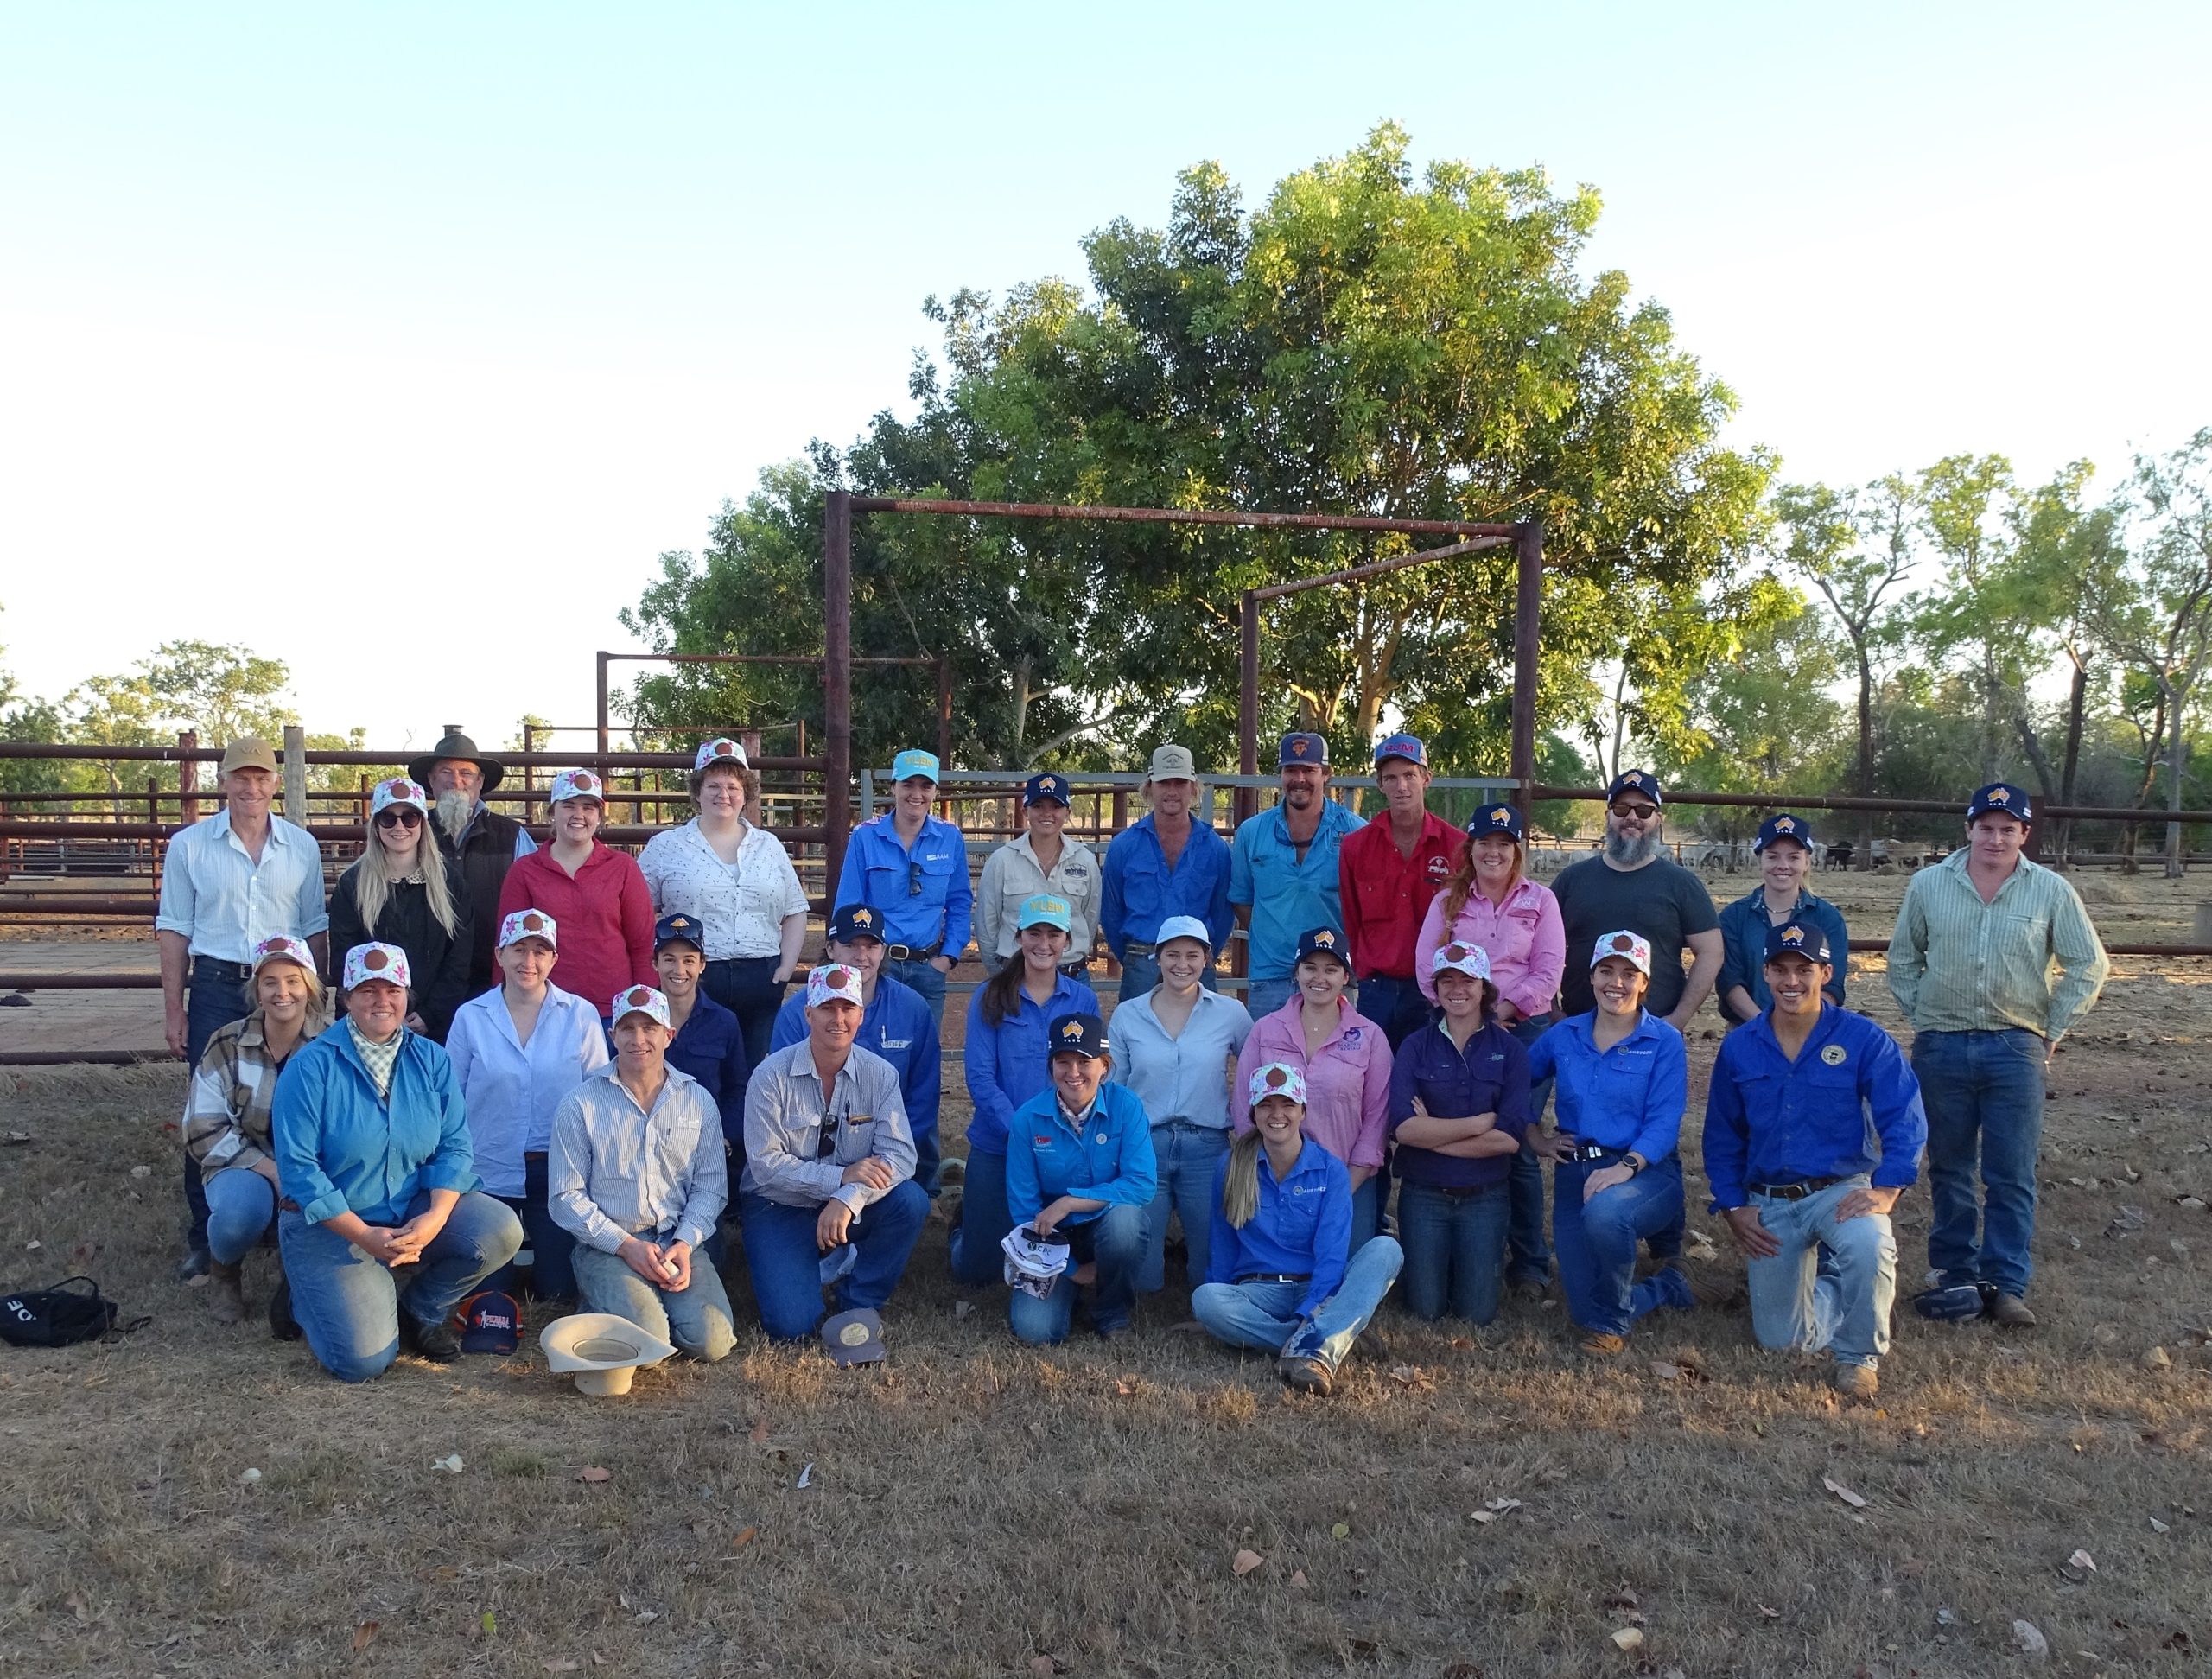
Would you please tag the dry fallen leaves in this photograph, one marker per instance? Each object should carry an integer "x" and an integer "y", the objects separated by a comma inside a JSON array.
[
  {"x": 1629, "y": 1638},
  {"x": 743, "y": 1537},
  {"x": 1298, "y": 1578},
  {"x": 1843, "y": 1492},
  {"x": 1245, "y": 1563},
  {"x": 2082, "y": 1561},
  {"x": 1342, "y": 1531},
  {"x": 563, "y": 1665},
  {"x": 595, "y": 1474},
  {"x": 364, "y": 1636}
]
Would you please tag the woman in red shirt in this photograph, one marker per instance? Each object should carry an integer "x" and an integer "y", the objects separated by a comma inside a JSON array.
[{"x": 594, "y": 894}]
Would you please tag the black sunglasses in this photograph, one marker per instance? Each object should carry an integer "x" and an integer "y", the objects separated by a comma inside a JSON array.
[
  {"x": 399, "y": 817},
  {"x": 1638, "y": 812},
  {"x": 914, "y": 880},
  {"x": 827, "y": 1145}
]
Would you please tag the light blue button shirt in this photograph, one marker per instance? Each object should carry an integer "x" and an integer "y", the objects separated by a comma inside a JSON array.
[
  {"x": 1184, "y": 1077},
  {"x": 512, "y": 1090},
  {"x": 617, "y": 1169},
  {"x": 225, "y": 903},
  {"x": 1287, "y": 897}
]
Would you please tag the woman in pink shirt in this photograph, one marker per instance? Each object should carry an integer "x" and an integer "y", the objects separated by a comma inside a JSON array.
[
  {"x": 1487, "y": 901},
  {"x": 594, "y": 894},
  {"x": 1347, "y": 1061}
]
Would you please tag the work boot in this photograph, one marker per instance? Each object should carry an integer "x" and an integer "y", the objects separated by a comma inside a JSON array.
[
  {"x": 436, "y": 1342},
  {"x": 1529, "y": 1290},
  {"x": 195, "y": 1262},
  {"x": 1857, "y": 1381},
  {"x": 225, "y": 1300},
  {"x": 1604, "y": 1346},
  {"x": 2013, "y": 1313},
  {"x": 281, "y": 1324},
  {"x": 1308, "y": 1375}
]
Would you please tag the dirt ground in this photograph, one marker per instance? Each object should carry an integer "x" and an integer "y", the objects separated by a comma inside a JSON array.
[{"x": 1473, "y": 1502}]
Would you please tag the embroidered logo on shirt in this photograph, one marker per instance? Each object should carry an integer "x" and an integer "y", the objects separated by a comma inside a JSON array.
[
  {"x": 1305, "y": 1189},
  {"x": 1438, "y": 868},
  {"x": 1042, "y": 1142},
  {"x": 1832, "y": 1055},
  {"x": 1351, "y": 1035},
  {"x": 898, "y": 1043}
]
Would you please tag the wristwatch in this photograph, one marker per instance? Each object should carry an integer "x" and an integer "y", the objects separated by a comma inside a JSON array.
[{"x": 1634, "y": 1161}]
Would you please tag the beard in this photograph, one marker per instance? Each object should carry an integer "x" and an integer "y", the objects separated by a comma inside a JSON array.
[
  {"x": 1624, "y": 853},
  {"x": 454, "y": 811}
]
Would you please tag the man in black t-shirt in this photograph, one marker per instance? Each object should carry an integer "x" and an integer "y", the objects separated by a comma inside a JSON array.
[{"x": 1632, "y": 883}]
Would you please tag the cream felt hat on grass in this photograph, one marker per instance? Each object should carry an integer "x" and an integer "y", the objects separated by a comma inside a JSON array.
[{"x": 600, "y": 1350}]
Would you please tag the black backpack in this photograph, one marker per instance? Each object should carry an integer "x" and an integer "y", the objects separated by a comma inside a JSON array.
[{"x": 60, "y": 1316}]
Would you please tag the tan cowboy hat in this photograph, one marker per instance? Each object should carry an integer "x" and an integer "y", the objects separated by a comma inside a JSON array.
[{"x": 600, "y": 1350}]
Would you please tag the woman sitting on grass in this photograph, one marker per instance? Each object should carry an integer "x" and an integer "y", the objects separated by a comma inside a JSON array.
[{"x": 1276, "y": 1275}]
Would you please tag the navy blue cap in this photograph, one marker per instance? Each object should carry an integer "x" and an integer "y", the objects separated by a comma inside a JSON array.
[
  {"x": 679, "y": 929},
  {"x": 854, "y": 921},
  {"x": 1411, "y": 748},
  {"x": 1045, "y": 789},
  {"x": 1634, "y": 781},
  {"x": 1784, "y": 826},
  {"x": 1497, "y": 819},
  {"x": 1324, "y": 941},
  {"x": 2003, "y": 797},
  {"x": 1303, "y": 749},
  {"x": 1798, "y": 938},
  {"x": 491, "y": 1322},
  {"x": 1081, "y": 1034}
]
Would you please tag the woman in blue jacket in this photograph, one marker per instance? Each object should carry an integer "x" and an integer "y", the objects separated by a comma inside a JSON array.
[
  {"x": 383, "y": 1229},
  {"x": 1276, "y": 1274},
  {"x": 1005, "y": 1061},
  {"x": 1079, "y": 1166}
]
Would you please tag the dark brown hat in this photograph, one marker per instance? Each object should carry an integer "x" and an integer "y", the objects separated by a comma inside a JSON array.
[{"x": 457, "y": 745}]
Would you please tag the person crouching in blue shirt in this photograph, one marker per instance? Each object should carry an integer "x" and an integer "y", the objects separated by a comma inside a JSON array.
[
  {"x": 1797, "y": 1169},
  {"x": 1079, "y": 1165},
  {"x": 1277, "y": 1277},
  {"x": 708, "y": 1047},
  {"x": 1623, "y": 1080},
  {"x": 1459, "y": 1107}
]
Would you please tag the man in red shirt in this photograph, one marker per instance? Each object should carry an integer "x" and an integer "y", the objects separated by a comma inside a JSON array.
[{"x": 1387, "y": 872}]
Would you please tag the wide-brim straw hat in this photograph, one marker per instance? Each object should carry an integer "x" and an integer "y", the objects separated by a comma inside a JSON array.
[{"x": 600, "y": 1350}]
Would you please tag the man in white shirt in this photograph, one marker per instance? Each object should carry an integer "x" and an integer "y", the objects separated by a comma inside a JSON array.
[{"x": 1040, "y": 862}]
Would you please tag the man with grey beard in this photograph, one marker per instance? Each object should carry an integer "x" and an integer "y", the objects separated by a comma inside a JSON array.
[
  {"x": 485, "y": 843},
  {"x": 1634, "y": 884}
]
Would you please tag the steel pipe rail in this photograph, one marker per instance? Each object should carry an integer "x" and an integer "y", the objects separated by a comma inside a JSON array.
[{"x": 1898, "y": 806}]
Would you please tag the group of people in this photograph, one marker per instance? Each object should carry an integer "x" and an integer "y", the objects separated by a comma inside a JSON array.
[{"x": 1374, "y": 1111}]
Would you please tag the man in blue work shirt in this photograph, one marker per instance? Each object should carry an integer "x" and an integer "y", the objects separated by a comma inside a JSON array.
[
  {"x": 1170, "y": 863},
  {"x": 1282, "y": 871},
  {"x": 895, "y": 1023},
  {"x": 1784, "y": 848},
  {"x": 1796, "y": 1167},
  {"x": 911, "y": 868}
]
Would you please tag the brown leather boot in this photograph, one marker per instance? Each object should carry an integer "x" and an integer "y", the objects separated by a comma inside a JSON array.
[{"x": 225, "y": 1300}]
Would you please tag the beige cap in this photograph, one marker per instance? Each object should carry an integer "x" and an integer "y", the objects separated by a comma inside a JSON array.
[
  {"x": 1173, "y": 764},
  {"x": 249, "y": 752}
]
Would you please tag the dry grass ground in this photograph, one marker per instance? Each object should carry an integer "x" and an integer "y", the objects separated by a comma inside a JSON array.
[{"x": 977, "y": 1509}]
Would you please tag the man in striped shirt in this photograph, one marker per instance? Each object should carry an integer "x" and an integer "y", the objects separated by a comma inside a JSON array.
[{"x": 1993, "y": 960}]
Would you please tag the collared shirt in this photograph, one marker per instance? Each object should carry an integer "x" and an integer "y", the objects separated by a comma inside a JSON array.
[
  {"x": 1386, "y": 895},
  {"x": 618, "y": 1169},
  {"x": 1523, "y": 936},
  {"x": 514, "y": 1089},
  {"x": 1630, "y": 1096},
  {"x": 1957, "y": 964},
  {"x": 921, "y": 890},
  {"x": 1743, "y": 930},
  {"x": 897, "y": 1026},
  {"x": 339, "y": 1147},
  {"x": 1848, "y": 1104},
  {"x": 1108, "y": 1157},
  {"x": 740, "y": 905},
  {"x": 1186, "y": 1077},
  {"x": 604, "y": 912},
  {"x": 1006, "y": 1064},
  {"x": 1662, "y": 900},
  {"x": 709, "y": 1047},
  {"x": 1347, "y": 1079},
  {"x": 1011, "y": 877},
  {"x": 1301, "y": 1227},
  {"x": 786, "y": 1112},
  {"x": 225, "y": 903},
  {"x": 1141, "y": 890},
  {"x": 234, "y": 1090},
  {"x": 1490, "y": 1075},
  {"x": 1286, "y": 895}
]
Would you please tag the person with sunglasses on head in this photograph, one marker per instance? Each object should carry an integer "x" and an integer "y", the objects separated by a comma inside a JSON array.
[
  {"x": 1277, "y": 1274},
  {"x": 828, "y": 1198},
  {"x": 597, "y": 893},
  {"x": 1784, "y": 851},
  {"x": 1004, "y": 1059},
  {"x": 1459, "y": 1108},
  {"x": 516, "y": 1053},
  {"x": 734, "y": 879},
  {"x": 1622, "y": 1082},
  {"x": 402, "y": 891},
  {"x": 911, "y": 868},
  {"x": 1390, "y": 872},
  {"x": 1043, "y": 861},
  {"x": 483, "y": 843},
  {"x": 1283, "y": 875},
  {"x": 1168, "y": 862}
]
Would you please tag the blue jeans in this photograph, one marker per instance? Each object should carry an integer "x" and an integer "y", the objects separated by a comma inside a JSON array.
[
  {"x": 786, "y": 1263},
  {"x": 1797, "y": 1304},
  {"x": 1528, "y": 1255},
  {"x": 1140, "y": 973},
  {"x": 1264, "y": 1314},
  {"x": 984, "y": 1221},
  {"x": 241, "y": 1205},
  {"x": 212, "y": 999},
  {"x": 1188, "y": 1155},
  {"x": 924, "y": 978},
  {"x": 696, "y": 1319},
  {"x": 1597, "y": 1242},
  {"x": 349, "y": 1305},
  {"x": 1266, "y": 995},
  {"x": 1983, "y": 1092},
  {"x": 552, "y": 1248},
  {"x": 1396, "y": 1005},
  {"x": 929, "y": 1161},
  {"x": 745, "y": 985},
  {"x": 1454, "y": 1240},
  {"x": 1114, "y": 1240}
]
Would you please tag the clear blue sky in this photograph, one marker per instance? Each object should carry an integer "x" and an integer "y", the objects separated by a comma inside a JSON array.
[{"x": 398, "y": 341}]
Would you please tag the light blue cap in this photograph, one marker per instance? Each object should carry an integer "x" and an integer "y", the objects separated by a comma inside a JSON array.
[
  {"x": 1183, "y": 926},
  {"x": 1046, "y": 910},
  {"x": 914, "y": 761}
]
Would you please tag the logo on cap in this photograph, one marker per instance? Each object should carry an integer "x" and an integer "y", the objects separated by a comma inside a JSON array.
[
  {"x": 2000, "y": 796},
  {"x": 584, "y": 778},
  {"x": 533, "y": 923},
  {"x": 1622, "y": 943},
  {"x": 1784, "y": 825},
  {"x": 1793, "y": 935},
  {"x": 1632, "y": 779},
  {"x": 1277, "y": 1078},
  {"x": 1047, "y": 785},
  {"x": 1457, "y": 952},
  {"x": 376, "y": 962},
  {"x": 863, "y": 917},
  {"x": 723, "y": 748},
  {"x": 834, "y": 979},
  {"x": 1071, "y": 1031},
  {"x": 1325, "y": 937},
  {"x": 1501, "y": 817},
  {"x": 1299, "y": 747},
  {"x": 638, "y": 997},
  {"x": 854, "y": 1334}
]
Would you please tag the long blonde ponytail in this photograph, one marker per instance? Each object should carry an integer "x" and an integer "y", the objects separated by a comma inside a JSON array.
[{"x": 1240, "y": 1188}]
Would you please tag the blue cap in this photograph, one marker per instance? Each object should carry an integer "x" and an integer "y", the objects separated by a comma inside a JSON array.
[
  {"x": 1081, "y": 1034},
  {"x": 1634, "y": 781},
  {"x": 1783, "y": 827},
  {"x": 1047, "y": 789},
  {"x": 679, "y": 929},
  {"x": 1797, "y": 939},
  {"x": 2003, "y": 797},
  {"x": 1303, "y": 749},
  {"x": 1497, "y": 819},
  {"x": 914, "y": 761},
  {"x": 854, "y": 921},
  {"x": 1046, "y": 910},
  {"x": 1323, "y": 941},
  {"x": 1408, "y": 746},
  {"x": 491, "y": 1322}
]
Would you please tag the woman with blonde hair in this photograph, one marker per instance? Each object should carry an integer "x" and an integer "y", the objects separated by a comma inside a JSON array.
[
  {"x": 403, "y": 891},
  {"x": 1278, "y": 1274}
]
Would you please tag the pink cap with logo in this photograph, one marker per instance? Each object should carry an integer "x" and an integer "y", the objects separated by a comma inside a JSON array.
[
  {"x": 1277, "y": 1078},
  {"x": 721, "y": 750},
  {"x": 397, "y": 791},
  {"x": 578, "y": 784},
  {"x": 834, "y": 981},
  {"x": 638, "y": 1000},
  {"x": 1632, "y": 946},
  {"x": 529, "y": 924},
  {"x": 1461, "y": 957},
  {"x": 365, "y": 963},
  {"x": 283, "y": 948}
]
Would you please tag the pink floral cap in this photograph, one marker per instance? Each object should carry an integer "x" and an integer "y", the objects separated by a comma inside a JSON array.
[
  {"x": 1461, "y": 957},
  {"x": 283, "y": 948},
  {"x": 835, "y": 981},
  {"x": 529, "y": 924},
  {"x": 387, "y": 963},
  {"x": 397, "y": 791},
  {"x": 637, "y": 1000},
  {"x": 578, "y": 784},
  {"x": 1633, "y": 945},
  {"x": 1277, "y": 1078},
  {"x": 721, "y": 750}
]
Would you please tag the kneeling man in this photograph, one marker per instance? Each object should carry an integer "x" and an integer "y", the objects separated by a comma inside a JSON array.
[{"x": 1796, "y": 1167}]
